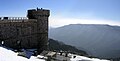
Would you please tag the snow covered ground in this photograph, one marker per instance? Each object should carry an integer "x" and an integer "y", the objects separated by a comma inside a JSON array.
[{"x": 8, "y": 55}]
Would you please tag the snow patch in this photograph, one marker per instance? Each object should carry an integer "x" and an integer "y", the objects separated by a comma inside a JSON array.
[{"x": 82, "y": 58}]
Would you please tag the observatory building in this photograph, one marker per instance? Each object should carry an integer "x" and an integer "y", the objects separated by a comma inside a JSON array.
[{"x": 25, "y": 32}]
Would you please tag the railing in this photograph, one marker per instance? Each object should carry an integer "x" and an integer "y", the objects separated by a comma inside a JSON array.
[{"x": 13, "y": 18}]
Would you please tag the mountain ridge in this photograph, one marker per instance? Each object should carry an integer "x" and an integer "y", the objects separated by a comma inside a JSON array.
[{"x": 102, "y": 38}]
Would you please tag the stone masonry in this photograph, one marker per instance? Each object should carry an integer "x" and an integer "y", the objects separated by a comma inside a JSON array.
[{"x": 26, "y": 32}]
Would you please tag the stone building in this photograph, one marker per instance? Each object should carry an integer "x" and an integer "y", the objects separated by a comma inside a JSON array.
[{"x": 26, "y": 32}]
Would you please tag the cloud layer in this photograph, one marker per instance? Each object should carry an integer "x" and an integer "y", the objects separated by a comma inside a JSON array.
[{"x": 57, "y": 22}]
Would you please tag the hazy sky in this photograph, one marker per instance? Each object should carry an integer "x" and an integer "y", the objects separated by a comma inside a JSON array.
[{"x": 65, "y": 12}]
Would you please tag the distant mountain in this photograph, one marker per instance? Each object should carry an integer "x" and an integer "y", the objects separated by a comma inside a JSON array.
[
  {"x": 98, "y": 40},
  {"x": 60, "y": 46}
]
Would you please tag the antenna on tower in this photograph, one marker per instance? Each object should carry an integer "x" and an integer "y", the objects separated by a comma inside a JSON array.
[{"x": 37, "y": 8}]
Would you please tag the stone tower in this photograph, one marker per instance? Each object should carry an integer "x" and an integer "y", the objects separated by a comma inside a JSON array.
[{"x": 42, "y": 26}]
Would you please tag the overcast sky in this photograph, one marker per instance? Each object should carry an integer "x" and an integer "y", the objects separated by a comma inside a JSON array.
[{"x": 65, "y": 12}]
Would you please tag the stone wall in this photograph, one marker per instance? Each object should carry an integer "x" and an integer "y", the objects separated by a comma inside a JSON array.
[{"x": 25, "y": 32}]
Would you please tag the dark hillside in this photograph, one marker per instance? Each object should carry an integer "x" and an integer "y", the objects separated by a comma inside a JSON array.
[{"x": 58, "y": 46}]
